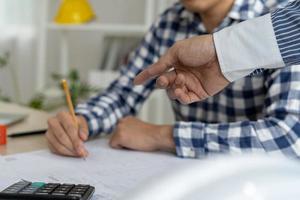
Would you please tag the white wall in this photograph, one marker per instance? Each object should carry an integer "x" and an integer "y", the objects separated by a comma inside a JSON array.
[
  {"x": 18, "y": 20},
  {"x": 85, "y": 47}
]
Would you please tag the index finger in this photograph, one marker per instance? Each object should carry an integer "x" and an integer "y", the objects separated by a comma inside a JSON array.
[
  {"x": 165, "y": 63},
  {"x": 71, "y": 129}
]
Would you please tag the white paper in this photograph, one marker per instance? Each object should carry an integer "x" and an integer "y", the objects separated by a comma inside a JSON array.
[{"x": 112, "y": 172}]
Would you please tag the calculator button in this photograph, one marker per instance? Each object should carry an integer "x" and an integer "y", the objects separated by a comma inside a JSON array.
[
  {"x": 47, "y": 188},
  {"x": 58, "y": 194},
  {"x": 26, "y": 192},
  {"x": 79, "y": 188},
  {"x": 21, "y": 183},
  {"x": 77, "y": 192},
  {"x": 62, "y": 190},
  {"x": 44, "y": 191},
  {"x": 41, "y": 193},
  {"x": 81, "y": 185},
  {"x": 69, "y": 185},
  {"x": 13, "y": 189},
  {"x": 8, "y": 191},
  {"x": 52, "y": 185},
  {"x": 74, "y": 195},
  {"x": 38, "y": 184}
]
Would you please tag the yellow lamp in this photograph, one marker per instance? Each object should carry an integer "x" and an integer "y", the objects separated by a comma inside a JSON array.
[{"x": 74, "y": 12}]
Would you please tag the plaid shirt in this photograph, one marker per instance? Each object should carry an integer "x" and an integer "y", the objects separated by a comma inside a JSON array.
[{"x": 260, "y": 112}]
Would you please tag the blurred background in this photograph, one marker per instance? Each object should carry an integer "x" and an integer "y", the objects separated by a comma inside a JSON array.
[{"x": 36, "y": 51}]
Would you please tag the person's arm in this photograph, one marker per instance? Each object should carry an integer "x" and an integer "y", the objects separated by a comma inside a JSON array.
[
  {"x": 277, "y": 132},
  {"x": 270, "y": 41},
  {"x": 204, "y": 65},
  {"x": 122, "y": 98},
  {"x": 101, "y": 113}
]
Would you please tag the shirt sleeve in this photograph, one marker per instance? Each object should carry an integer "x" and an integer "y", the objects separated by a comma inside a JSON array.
[
  {"x": 122, "y": 98},
  {"x": 277, "y": 132},
  {"x": 286, "y": 23},
  {"x": 270, "y": 41}
]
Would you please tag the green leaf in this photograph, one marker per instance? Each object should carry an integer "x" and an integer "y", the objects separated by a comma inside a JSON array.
[
  {"x": 37, "y": 102},
  {"x": 4, "y": 59},
  {"x": 78, "y": 89},
  {"x": 73, "y": 75}
]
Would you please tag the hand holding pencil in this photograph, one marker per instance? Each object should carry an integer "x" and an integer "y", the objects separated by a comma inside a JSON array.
[{"x": 67, "y": 132}]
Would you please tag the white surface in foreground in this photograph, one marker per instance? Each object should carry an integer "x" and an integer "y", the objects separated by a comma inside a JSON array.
[{"x": 112, "y": 172}]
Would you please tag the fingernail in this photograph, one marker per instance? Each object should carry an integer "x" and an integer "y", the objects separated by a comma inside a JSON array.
[
  {"x": 83, "y": 135},
  {"x": 82, "y": 152},
  {"x": 79, "y": 149}
]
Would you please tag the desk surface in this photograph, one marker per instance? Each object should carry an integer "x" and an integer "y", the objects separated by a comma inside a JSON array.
[
  {"x": 36, "y": 120},
  {"x": 23, "y": 144}
]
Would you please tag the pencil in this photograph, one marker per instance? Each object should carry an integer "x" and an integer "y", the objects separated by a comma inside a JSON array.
[{"x": 65, "y": 86}]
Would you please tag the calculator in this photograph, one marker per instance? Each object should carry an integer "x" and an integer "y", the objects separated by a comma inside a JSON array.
[{"x": 25, "y": 190}]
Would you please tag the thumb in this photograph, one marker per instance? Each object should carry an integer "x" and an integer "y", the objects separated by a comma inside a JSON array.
[{"x": 165, "y": 63}]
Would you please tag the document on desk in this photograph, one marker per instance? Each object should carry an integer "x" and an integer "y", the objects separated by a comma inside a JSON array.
[{"x": 112, "y": 172}]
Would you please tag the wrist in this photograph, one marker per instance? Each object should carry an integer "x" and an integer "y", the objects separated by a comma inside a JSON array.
[{"x": 165, "y": 138}]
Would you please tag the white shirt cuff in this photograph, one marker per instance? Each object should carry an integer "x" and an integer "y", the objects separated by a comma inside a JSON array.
[{"x": 249, "y": 45}]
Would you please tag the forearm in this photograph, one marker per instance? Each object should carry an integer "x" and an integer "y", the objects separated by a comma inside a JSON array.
[
  {"x": 103, "y": 112},
  {"x": 270, "y": 41},
  {"x": 272, "y": 135},
  {"x": 253, "y": 42},
  {"x": 122, "y": 98}
]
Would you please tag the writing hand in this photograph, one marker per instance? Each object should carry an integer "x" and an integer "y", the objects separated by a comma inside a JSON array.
[{"x": 63, "y": 136}]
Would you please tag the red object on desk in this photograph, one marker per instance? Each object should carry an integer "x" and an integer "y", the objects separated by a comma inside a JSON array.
[{"x": 2, "y": 134}]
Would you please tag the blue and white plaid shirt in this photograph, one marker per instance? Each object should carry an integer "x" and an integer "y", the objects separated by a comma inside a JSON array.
[{"x": 257, "y": 113}]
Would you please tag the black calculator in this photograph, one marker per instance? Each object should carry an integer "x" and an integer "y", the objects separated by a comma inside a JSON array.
[{"x": 25, "y": 190}]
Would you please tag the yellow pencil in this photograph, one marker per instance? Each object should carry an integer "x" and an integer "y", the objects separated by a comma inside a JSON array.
[{"x": 65, "y": 86}]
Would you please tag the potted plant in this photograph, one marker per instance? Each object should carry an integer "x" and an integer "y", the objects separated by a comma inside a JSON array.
[{"x": 79, "y": 90}]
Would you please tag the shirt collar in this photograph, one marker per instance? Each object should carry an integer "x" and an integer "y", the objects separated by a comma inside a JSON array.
[
  {"x": 245, "y": 9},
  {"x": 240, "y": 11}
]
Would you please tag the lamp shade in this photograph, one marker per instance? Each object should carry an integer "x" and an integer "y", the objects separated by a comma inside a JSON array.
[{"x": 74, "y": 12}]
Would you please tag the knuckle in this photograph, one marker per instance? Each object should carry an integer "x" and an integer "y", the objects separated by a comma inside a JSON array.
[
  {"x": 61, "y": 114},
  {"x": 60, "y": 149},
  {"x": 70, "y": 128},
  {"x": 50, "y": 121},
  {"x": 60, "y": 134}
]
